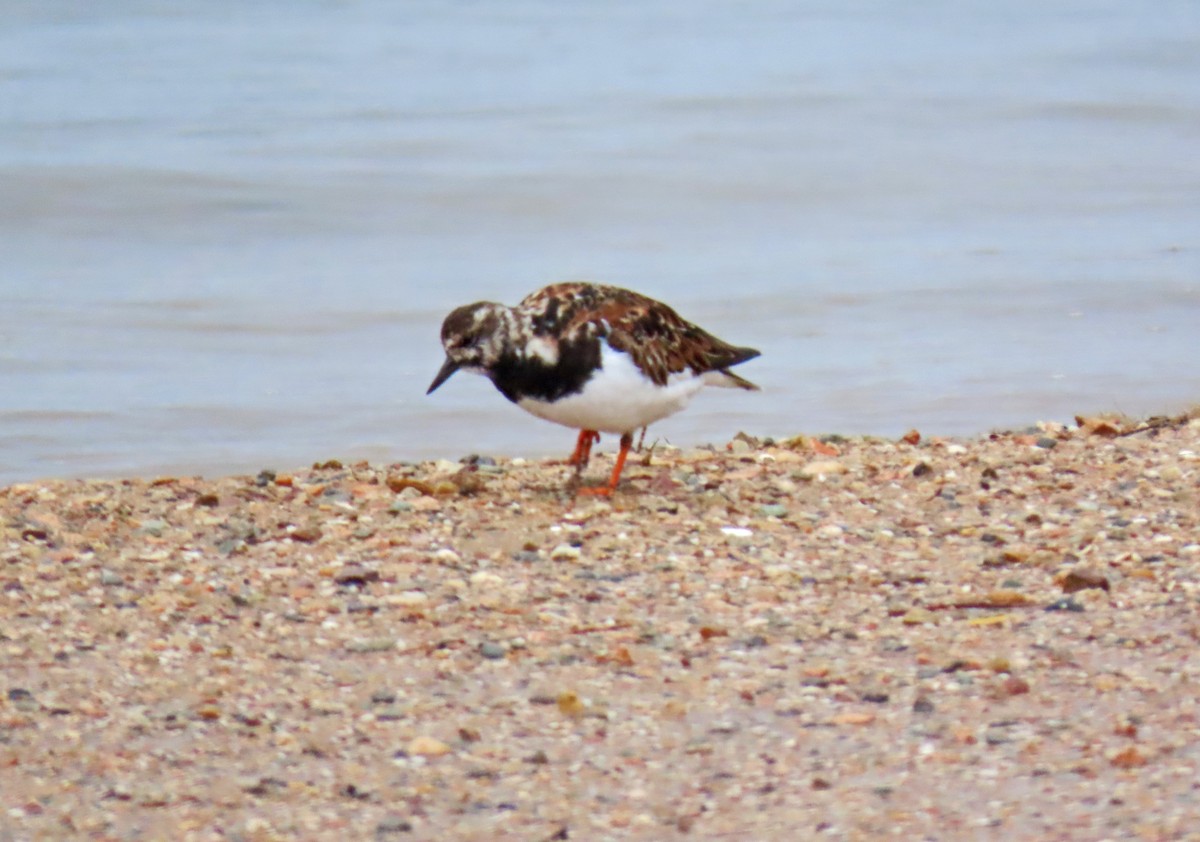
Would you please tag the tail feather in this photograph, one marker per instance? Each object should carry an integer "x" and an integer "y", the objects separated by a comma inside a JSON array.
[{"x": 726, "y": 379}]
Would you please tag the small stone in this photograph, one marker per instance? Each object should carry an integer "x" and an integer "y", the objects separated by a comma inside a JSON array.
[
  {"x": 370, "y": 644},
  {"x": 22, "y": 699},
  {"x": 1065, "y": 604},
  {"x": 1014, "y": 686},
  {"x": 244, "y": 597},
  {"x": 355, "y": 575},
  {"x": 773, "y": 510},
  {"x": 1170, "y": 473},
  {"x": 391, "y": 713},
  {"x": 306, "y": 534},
  {"x": 921, "y": 469},
  {"x": 392, "y": 826},
  {"x": 486, "y": 580},
  {"x": 493, "y": 651},
  {"x": 427, "y": 747},
  {"x": 1046, "y": 443},
  {"x": 1080, "y": 579},
  {"x": 110, "y": 579},
  {"x": 918, "y": 616},
  {"x": 922, "y": 704},
  {"x": 1129, "y": 758},
  {"x": 154, "y": 527},
  {"x": 739, "y": 447},
  {"x": 425, "y": 504},
  {"x": 853, "y": 718},
  {"x": 565, "y": 552},
  {"x": 569, "y": 704},
  {"x": 997, "y": 737},
  {"x": 210, "y": 501},
  {"x": 821, "y": 469},
  {"x": 407, "y": 599}
]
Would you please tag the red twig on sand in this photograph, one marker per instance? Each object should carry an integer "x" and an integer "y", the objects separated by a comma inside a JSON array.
[
  {"x": 591, "y": 629},
  {"x": 983, "y": 603},
  {"x": 1157, "y": 422}
]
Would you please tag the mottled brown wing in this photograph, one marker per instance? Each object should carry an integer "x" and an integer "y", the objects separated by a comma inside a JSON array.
[{"x": 660, "y": 341}]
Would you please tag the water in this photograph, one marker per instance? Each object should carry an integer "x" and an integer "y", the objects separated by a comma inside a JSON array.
[{"x": 229, "y": 231}]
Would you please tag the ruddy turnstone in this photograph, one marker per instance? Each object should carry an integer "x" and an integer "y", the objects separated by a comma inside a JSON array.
[{"x": 600, "y": 359}]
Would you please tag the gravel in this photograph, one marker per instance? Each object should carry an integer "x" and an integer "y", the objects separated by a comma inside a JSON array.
[{"x": 844, "y": 639}]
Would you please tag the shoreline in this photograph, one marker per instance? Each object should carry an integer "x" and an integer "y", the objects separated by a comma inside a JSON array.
[{"x": 850, "y": 637}]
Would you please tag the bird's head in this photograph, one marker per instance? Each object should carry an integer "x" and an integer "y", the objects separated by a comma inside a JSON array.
[{"x": 473, "y": 336}]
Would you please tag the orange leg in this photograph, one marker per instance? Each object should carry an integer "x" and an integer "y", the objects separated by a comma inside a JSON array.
[
  {"x": 626, "y": 443},
  {"x": 583, "y": 449}
]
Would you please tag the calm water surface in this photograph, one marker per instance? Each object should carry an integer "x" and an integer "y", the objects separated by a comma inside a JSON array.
[{"x": 230, "y": 231}]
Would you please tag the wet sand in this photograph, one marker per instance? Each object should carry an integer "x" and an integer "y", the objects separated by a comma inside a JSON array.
[{"x": 990, "y": 638}]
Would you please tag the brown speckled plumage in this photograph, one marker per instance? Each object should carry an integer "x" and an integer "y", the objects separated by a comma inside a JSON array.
[{"x": 658, "y": 339}]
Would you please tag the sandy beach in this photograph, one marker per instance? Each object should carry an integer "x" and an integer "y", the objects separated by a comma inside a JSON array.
[{"x": 988, "y": 638}]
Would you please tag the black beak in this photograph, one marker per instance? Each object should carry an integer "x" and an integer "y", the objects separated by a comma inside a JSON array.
[{"x": 448, "y": 367}]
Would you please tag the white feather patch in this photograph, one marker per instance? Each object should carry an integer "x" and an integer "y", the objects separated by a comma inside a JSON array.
[
  {"x": 618, "y": 398},
  {"x": 542, "y": 348}
]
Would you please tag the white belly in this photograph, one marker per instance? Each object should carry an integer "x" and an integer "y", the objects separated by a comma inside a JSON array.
[{"x": 618, "y": 398}]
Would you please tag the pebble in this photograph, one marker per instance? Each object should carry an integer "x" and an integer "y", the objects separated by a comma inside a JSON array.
[
  {"x": 427, "y": 747},
  {"x": 1065, "y": 604},
  {"x": 1081, "y": 578},
  {"x": 565, "y": 552},
  {"x": 392, "y": 826},
  {"x": 355, "y": 575},
  {"x": 485, "y": 579},
  {"x": 154, "y": 527},
  {"x": 821, "y": 469},
  {"x": 22, "y": 700},
  {"x": 492, "y": 650},
  {"x": 407, "y": 598},
  {"x": 371, "y": 644}
]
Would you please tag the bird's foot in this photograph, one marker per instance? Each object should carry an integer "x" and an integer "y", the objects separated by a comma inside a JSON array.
[{"x": 583, "y": 449}]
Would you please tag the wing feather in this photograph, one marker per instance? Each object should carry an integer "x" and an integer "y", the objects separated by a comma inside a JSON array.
[{"x": 660, "y": 341}]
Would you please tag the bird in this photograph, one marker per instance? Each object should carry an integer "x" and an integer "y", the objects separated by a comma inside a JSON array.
[{"x": 596, "y": 358}]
